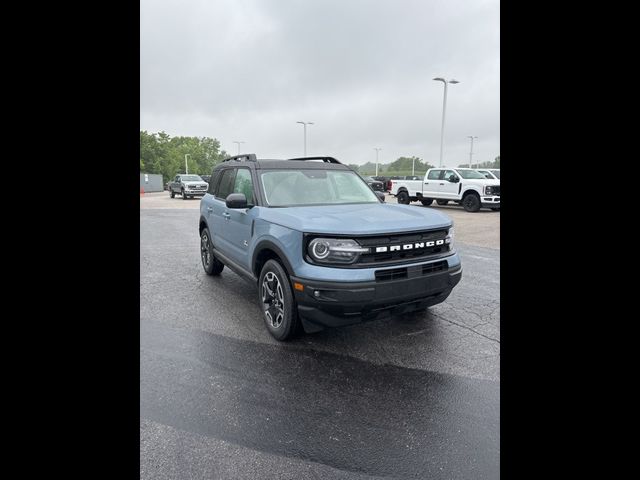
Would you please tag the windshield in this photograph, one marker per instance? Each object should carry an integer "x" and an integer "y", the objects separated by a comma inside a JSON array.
[
  {"x": 191, "y": 178},
  {"x": 496, "y": 173},
  {"x": 288, "y": 188},
  {"x": 471, "y": 174}
]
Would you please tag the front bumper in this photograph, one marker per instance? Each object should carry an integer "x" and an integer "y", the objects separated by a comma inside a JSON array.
[
  {"x": 335, "y": 304},
  {"x": 491, "y": 202},
  {"x": 195, "y": 193}
]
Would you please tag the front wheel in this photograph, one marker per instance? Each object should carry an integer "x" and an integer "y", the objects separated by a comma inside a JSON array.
[
  {"x": 279, "y": 308},
  {"x": 442, "y": 202},
  {"x": 471, "y": 202},
  {"x": 172, "y": 193},
  {"x": 211, "y": 265},
  {"x": 184, "y": 195},
  {"x": 403, "y": 198}
]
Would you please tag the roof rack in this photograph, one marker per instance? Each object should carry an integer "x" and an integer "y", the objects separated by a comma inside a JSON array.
[
  {"x": 324, "y": 159},
  {"x": 248, "y": 157}
]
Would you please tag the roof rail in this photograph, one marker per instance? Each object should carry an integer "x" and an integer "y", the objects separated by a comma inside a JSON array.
[
  {"x": 324, "y": 159},
  {"x": 248, "y": 157}
]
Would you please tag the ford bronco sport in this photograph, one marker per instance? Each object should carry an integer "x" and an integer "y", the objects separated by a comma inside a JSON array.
[{"x": 322, "y": 247}]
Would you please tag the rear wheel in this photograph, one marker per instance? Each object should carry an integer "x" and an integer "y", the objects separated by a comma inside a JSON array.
[
  {"x": 403, "y": 198},
  {"x": 427, "y": 201},
  {"x": 279, "y": 308},
  {"x": 442, "y": 202},
  {"x": 471, "y": 202},
  {"x": 211, "y": 265},
  {"x": 184, "y": 195},
  {"x": 172, "y": 193}
]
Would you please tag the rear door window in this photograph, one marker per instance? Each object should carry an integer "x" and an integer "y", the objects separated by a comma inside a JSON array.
[{"x": 226, "y": 183}]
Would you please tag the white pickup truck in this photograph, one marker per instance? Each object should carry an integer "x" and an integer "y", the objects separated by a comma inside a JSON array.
[{"x": 461, "y": 185}]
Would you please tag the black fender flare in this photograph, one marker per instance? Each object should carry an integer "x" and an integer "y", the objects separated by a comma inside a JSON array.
[{"x": 269, "y": 245}]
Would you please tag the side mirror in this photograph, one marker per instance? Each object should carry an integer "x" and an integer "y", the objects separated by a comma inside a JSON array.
[
  {"x": 380, "y": 196},
  {"x": 454, "y": 179},
  {"x": 236, "y": 200}
]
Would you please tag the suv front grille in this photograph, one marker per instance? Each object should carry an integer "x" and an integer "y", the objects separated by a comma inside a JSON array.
[
  {"x": 400, "y": 273},
  {"x": 401, "y": 256}
]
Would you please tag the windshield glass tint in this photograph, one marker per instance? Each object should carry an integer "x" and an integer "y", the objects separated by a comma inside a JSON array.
[
  {"x": 471, "y": 174},
  {"x": 191, "y": 178},
  {"x": 314, "y": 187},
  {"x": 496, "y": 173}
]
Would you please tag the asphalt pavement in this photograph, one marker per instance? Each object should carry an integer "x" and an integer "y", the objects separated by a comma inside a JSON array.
[{"x": 409, "y": 397}]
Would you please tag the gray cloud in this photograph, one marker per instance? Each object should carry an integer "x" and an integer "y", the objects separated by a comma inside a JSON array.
[{"x": 361, "y": 70}]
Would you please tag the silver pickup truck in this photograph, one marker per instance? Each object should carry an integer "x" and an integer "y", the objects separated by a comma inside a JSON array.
[{"x": 188, "y": 185}]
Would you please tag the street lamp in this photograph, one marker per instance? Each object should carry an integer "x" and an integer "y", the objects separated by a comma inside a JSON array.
[
  {"x": 377, "y": 150},
  {"x": 305, "y": 135},
  {"x": 444, "y": 108},
  {"x": 235, "y": 141},
  {"x": 471, "y": 151},
  {"x": 186, "y": 166}
]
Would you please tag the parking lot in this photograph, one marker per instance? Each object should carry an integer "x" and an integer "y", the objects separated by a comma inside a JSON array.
[{"x": 405, "y": 397}]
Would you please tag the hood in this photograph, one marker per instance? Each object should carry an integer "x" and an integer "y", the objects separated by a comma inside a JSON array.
[
  {"x": 195, "y": 184},
  {"x": 484, "y": 181},
  {"x": 356, "y": 219}
]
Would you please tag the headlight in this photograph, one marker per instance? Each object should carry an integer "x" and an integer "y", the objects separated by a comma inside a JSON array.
[
  {"x": 335, "y": 250},
  {"x": 449, "y": 238},
  {"x": 488, "y": 190}
]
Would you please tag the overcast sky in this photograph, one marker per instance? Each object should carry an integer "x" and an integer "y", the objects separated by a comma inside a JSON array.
[{"x": 361, "y": 70}]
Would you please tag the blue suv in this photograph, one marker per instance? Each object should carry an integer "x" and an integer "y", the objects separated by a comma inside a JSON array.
[{"x": 323, "y": 248}]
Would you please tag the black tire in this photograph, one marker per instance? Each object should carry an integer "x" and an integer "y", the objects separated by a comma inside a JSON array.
[
  {"x": 403, "y": 198},
  {"x": 495, "y": 209},
  {"x": 279, "y": 309},
  {"x": 184, "y": 197},
  {"x": 427, "y": 201},
  {"x": 211, "y": 265},
  {"x": 172, "y": 193},
  {"x": 471, "y": 202},
  {"x": 442, "y": 202}
]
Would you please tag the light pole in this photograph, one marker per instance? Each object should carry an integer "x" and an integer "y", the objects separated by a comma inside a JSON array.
[
  {"x": 305, "y": 135},
  {"x": 413, "y": 166},
  {"x": 444, "y": 109},
  {"x": 186, "y": 166},
  {"x": 235, "y": 141},
  {"x": 377, "y": 150},
  {"x": 471, "y": 151}
]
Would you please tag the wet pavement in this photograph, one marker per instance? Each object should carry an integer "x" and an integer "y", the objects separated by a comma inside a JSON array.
[{"x": 409, "y": 397}]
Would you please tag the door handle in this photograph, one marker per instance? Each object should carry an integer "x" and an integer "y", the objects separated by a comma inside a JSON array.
[
  {"x": 442, "y": 184},
  {"x": 226, "y": 215},
  {"x": 209, "y": 209},
  {"x": 426, "y": 183}
]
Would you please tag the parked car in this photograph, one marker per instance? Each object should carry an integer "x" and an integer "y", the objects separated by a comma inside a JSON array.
[
  {"x": 321, "y": 247},
  {"x": 464, "y": 186},
  {"x": 374, "y": 184},
  {"x": 188, "y": 186},
  {"x": 492, "y": 173},
  {"x": 385, "y": 182},
  {"x": 166, "y": 185}
]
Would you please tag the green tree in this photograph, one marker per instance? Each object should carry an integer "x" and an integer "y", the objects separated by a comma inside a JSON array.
[{"x": 162, "y": 154}]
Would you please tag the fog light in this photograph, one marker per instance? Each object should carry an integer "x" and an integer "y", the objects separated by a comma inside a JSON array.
[{"x": 316, "y": 293}]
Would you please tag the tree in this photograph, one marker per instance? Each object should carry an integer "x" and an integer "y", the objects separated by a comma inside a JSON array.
[{"x": 162, "y": 154}]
